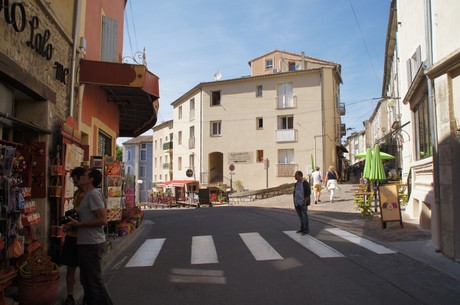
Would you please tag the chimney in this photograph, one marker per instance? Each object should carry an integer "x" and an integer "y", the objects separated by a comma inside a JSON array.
[{"x": 302, "y": 54}]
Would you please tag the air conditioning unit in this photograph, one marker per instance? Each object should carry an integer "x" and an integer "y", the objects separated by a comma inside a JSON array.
[{"x": 275, "y": 70}]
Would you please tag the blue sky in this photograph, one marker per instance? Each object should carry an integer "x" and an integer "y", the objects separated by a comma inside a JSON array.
[{"x": 187, "y": 41}]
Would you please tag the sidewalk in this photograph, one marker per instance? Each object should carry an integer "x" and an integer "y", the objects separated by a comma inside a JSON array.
[{"x": 409, "y": 240}]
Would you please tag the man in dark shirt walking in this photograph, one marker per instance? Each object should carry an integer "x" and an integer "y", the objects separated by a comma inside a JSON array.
[{"x": 302, "y": 192}]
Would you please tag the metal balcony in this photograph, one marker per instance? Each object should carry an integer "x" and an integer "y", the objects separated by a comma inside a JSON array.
[
  {"x": 342, "y": 109},
  {"x": 286, "y": 135}
]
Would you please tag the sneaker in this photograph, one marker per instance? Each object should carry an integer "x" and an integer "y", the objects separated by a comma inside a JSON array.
[
  {"x": 305, "y": 232},
  {"x": 299, "y": 231},
  {"x": 319, "y": 200},
  {"x": 69, "y": 301}
]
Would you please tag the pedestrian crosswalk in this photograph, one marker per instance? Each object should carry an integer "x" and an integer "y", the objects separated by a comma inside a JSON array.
[{"x": 204, "y": 251}]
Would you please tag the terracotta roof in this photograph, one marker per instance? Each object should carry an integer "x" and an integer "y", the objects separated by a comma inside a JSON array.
[{"x": 139, "y": 139}]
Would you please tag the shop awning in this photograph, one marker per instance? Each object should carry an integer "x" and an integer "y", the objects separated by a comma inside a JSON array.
[
  {"x": 132, "y": 87},
  {"x": 176, "y": 183}
]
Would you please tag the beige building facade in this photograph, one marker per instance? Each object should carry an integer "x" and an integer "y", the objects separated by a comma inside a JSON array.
[{"x": 282, "y": 118}]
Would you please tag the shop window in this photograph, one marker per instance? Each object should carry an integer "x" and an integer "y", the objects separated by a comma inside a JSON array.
[{"x": 422, "y": 129}]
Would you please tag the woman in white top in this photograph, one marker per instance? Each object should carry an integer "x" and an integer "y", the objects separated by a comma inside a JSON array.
[
  {"x": 316, "y": 177},
  {"x": 330, "y": 179}
]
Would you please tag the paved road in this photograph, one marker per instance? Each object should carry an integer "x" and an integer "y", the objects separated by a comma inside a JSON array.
[{"x": 249, "y": 255}]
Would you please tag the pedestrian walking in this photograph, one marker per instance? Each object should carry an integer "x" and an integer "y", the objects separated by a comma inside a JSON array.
[
  {"x": 317, "y": 181},
  {"x": 91, "y": 239},
  {"x": 69, "y": 255},
  {"x": 302, "y": 193},
  {"x": 331, "y": 179}
]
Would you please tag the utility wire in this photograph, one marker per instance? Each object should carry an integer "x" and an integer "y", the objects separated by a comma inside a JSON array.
[{"x": 364, "y": 42}]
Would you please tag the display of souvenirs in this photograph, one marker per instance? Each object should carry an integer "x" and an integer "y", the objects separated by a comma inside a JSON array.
[
  {"x": 114, "y": 214},
  {"x": 114, "y": 181},
  {"x": 112, "y": 170},
  {"x": 114, "y": 191},
  {"x": 114, "y": 202}
]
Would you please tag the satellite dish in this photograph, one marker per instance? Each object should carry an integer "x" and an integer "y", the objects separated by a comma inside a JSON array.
[
  {"x": 217, "y": 75},
  {"x": 298, "y": 66}
]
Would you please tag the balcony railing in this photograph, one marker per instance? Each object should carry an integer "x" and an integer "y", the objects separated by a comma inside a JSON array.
[
  {"x": 283, "y": 102},
  {"x": 343, "y": 130},
  {"x": 191, "y": 143},
  {"x": 286, "y": 170},
  {"x": 342, "y": 109},
  {"x": 168, "y": 146},
  {"x": 286, "y": 135}
]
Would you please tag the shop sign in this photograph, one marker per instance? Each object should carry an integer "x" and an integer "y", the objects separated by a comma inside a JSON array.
[
  {"x": 240, "y": 157},
  {"x": 15, "y": 15}
]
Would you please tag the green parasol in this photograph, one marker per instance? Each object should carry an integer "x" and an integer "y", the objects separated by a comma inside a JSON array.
[
  {"x": 383, "y": 155},
  {"x": 368, "y": 164},
  {"x": 377, "y": 172}
]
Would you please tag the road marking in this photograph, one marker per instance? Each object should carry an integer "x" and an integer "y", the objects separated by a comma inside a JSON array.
[
  {"x": 259, "y": 247},
  {"x": 147, "y": 253},
  {"x": 314, "y": 245},
  {"x": 203, "y": 250},
  {"x": 365, "y": 243},
  {"x": 149, "y": 222}
]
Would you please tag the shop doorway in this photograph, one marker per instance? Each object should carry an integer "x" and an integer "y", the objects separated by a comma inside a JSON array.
[{"x": 216, "y": 167}]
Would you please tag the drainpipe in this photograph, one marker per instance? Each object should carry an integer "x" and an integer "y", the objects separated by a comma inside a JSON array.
[
  {"x": 201, "y": 134},
  {"x": 436, "y": 209},
  {"x": 76, "y": 26}
]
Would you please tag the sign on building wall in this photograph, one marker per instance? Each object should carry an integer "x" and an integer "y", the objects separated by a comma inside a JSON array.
[{"x": 241, "y": 157}]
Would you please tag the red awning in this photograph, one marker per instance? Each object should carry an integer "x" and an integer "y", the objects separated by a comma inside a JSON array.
[
  {"x": 132, "y": 87},
  {"x": 176, "y": 183}
]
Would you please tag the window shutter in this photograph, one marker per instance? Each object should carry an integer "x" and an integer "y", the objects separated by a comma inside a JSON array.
[{"x": 109, "y": 39}]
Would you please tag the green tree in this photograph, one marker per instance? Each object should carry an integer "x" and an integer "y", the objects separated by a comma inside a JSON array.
[{"x": 119, "y": 153}]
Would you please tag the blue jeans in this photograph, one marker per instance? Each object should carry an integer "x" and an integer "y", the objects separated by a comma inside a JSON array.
[
  {"x": 89, "y": 258},
  {"x": 303, "y": 216}
]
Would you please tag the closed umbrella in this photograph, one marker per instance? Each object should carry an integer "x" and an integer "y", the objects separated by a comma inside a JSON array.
[
  {"x": 368, "y": 164},
  {"x": 312, "y": 163},
  {"x": 377, "y": 172}
]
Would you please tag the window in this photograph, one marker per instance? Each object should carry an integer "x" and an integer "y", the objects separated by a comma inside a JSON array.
[
  {"x": 215, "y": 98},
  {"x": 286, "y": 122},
  {"x": 192, "y": 131},
  {"x": 216, "y": 128},
  {"x": 180, "y": 112},
  {"x": 179, "y": 163},
  {"x": 259, "y": 123},
  {"x": 259, "y": 91},
  {"x": 192, "y": 109},
  {"x": 128, "y": 155},
  {"x": 286, "y": 156},
  {"x": 285, "y": 95},
  {"x": 156, "y": 165},
  {"x": 179, "y": 138},
  {"x": 269, "y": 63},
  {"x": 143, "y": 156},
  {"x": 260, "y": 155},
  {"x": 104, "y": 144},
  {"x": 156, "y": 145},
  {"x": 291, "y": 66},
  {"x": 413, "y": 64},
  {"x": 109, "y": 39},
  {"x": 191, "y": 161},
  {"x": 141, "y": 171},
  {"x": 422, "y": 129}
]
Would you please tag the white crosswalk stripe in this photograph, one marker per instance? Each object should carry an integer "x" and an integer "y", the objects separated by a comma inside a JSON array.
[
  {"x": 259, "y": 247},
  {"x": 203, "y": 250},
  {"x": 365, "y": 243},
  {"x": 147, "y": 253},
  {"x": 314, "y": 245},
  {"x": 149, "y": 222}
]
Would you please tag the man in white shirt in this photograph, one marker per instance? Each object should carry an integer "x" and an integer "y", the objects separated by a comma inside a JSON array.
[{"x": 317, "y": 184}]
